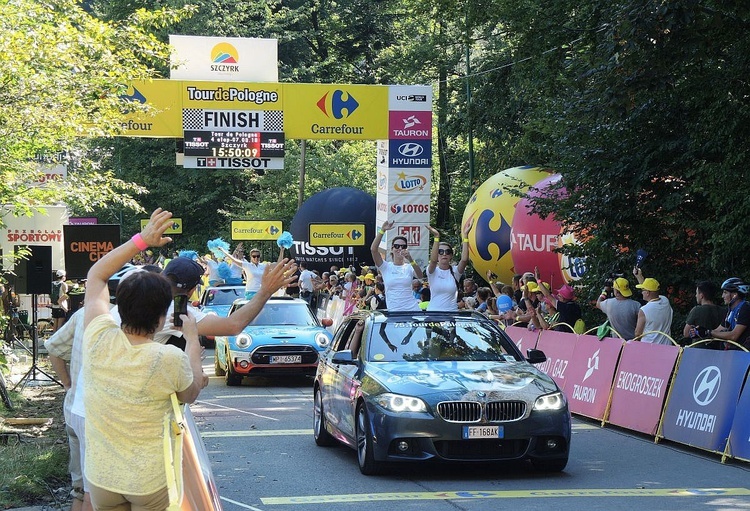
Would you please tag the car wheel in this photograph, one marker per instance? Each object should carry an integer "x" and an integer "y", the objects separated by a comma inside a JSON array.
[
  {"x": 233, "y": 379},
  {"x": 365, "y": 452},
  {"x": 549, "y": 465},
  {"x": 218, "y": 370},
  {"x": 322, "y": 437}
]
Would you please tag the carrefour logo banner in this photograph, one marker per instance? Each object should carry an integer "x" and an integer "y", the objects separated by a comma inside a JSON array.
[
  {"x": 337, "y": 235},
  {"x": 256, "y": 230},
  {"x": 704, "y": 398},
  {"x": 330, "y": 111},
  {"x": 164, "y": 97}
]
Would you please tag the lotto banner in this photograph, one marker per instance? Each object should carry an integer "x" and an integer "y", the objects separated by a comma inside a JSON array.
[
  {"x": 739, "y": 437},
  {"x": 396, "y": 182},
  {"x": 703, "y": 401},
  {"x": 589, "y": 377},
  {"x": 559, "y": 347},
  {"x": 641, "y": 383},
  {"x": 522, "y": 337}
]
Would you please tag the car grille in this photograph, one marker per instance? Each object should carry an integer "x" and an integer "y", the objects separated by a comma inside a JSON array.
[
  {"x": 262, "y": 355},
  {"x": 481, "y": 449},
  {"x": 472, "y": 411}
]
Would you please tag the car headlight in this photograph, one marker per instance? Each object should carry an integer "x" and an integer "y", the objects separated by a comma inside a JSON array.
[
  {"x": 397, "y": 403},
  {"x": 555, "y": 401},
  {"x": 243, "y": 340},
  {"x": 322, "y": 339}
]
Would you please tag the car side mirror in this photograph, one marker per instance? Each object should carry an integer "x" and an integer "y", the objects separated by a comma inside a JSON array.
[
  {"x": 535, "y": 356},
  {"x": 326, "y": 322},
  {"x": 344, "y": 357}
]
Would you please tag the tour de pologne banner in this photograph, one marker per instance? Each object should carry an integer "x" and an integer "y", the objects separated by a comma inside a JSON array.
[
  {"x": 589, "y": 377},
  {"x": 522, "y": 337},
  {"x": 86, "y": 244},
  {"x": 739, "y": 437},
  {"x": 640, "y": 385},
  {"x": 703, "y": 401},
  {"x": 558, "y": 346}
]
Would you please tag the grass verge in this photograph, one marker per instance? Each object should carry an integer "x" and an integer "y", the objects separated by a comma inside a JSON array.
[{"x": 34, "y": 457}]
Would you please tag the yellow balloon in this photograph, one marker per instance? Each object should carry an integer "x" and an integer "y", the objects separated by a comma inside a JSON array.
[{"x": 490, "y": 212}]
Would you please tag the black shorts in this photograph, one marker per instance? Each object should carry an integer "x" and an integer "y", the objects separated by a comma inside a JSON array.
[{"x": 58, "y": 312}]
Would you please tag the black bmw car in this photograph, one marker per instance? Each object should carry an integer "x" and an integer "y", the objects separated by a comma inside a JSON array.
[{"x": 418, "y": 386}]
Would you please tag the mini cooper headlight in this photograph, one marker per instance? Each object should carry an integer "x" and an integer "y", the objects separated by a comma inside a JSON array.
[
  {"x": 322, "y": 339},
  {"x": 397, "y": 403},
  {"x": 554, "y": 401},
  {"x": 243, "y": 341}
]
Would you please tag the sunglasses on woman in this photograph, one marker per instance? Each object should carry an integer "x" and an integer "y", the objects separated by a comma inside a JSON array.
[
  {"x": 254, "y": 255},
  {"x": 445, "y": 251},
  {"x": 399, "y": 246}
]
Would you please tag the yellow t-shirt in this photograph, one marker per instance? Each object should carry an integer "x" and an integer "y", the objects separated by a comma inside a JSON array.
[{"x": 127, "y": 393}]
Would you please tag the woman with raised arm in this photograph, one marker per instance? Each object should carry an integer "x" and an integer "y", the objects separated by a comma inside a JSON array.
[
  {"x": 397, "y": 273},
  {"x": 128, "y": 378},
  {"x": 444, "y": 276}
]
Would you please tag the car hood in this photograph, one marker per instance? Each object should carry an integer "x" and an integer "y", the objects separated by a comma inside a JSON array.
[
  {"x": 286, "y": 334},
  {"x": 455, "y": 380},
  {"x": 220, "y": 310}
]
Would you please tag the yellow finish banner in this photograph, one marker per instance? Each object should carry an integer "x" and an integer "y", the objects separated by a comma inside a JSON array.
[
  {"x": 256, "y": 230},
  {"x": 301, "y": 111},
  {"x": 175, "y": 228},
  {"x": 337, "y": 235}
]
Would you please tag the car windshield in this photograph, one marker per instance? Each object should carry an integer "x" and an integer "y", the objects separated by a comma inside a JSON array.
[
  {"x": 285, "y": 314},
  {"x": 223, "y": 296},
  {"x": 451, "y": 338}
]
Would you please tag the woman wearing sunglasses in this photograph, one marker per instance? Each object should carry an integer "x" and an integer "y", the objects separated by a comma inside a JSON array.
[
  {"x": 252, "y": 269},
  {"x": 442, "y": 275},
  {"x": 397, "y": 273}
]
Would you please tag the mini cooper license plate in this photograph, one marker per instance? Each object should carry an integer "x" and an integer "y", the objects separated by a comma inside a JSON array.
[
  {"x": 471, "y": 432},
  {"x": 285, "y": 359}
]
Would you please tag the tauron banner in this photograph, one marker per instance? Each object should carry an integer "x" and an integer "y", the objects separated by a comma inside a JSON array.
[
  {"x": 704, "y": 397},
  {"x": 86, "y": 244}
]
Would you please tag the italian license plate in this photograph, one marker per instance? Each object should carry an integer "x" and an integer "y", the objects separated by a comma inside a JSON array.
[
  {"x": 471, "y": 432},
  {"x": 285, "y": 359}
]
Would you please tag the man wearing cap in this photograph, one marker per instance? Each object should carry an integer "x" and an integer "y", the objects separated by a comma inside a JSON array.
[
  {"x": 655, "y": 317},
  {"x": 185, "y": 274},
  {"x": 622, "y": 310}
]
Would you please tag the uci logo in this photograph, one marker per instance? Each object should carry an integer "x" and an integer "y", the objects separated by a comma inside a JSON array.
[
  {"x": 410, "y": 150},
  {"x": 706, "y": 385},
  {"x": 341, "y": 104}
]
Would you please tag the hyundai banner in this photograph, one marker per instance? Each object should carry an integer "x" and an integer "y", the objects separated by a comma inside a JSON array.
[{"x": 704, "y": 397}]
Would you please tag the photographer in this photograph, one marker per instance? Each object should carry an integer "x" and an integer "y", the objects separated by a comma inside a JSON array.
[{"x": 621, "y": 310}]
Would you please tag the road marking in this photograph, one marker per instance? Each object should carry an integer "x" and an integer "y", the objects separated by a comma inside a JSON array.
[
  {"x": 274, "y": 396},
  {"x": 257, "y": 432},
  {"x": 251, "y": 508},
  {"x": 299, "y": 432},
  {"x": 206, "y": 403},
  {"x": 512, "y": 494}
]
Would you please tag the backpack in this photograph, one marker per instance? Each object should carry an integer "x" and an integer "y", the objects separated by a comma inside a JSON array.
[{"x": 54, "y": 295}]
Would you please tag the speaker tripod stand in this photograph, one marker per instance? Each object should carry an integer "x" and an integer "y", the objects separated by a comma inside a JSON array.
[{"x": 31, "y": 374}]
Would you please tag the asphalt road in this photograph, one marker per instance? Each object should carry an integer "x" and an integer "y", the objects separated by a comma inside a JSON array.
[{"x": 259, "y": 438}]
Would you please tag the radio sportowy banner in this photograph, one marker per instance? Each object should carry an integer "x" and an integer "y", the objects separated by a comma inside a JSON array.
[{"x": 39, "y": 229}]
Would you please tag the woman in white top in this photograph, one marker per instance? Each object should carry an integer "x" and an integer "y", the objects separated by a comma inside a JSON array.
[
  {"x": 397, "y": 273},
  {"x": 253, "y": 270},
  {"x": 442, "y": 275}
]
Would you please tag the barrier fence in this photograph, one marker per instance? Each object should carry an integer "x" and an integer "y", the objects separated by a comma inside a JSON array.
[{"x": 687, "y": 395}]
